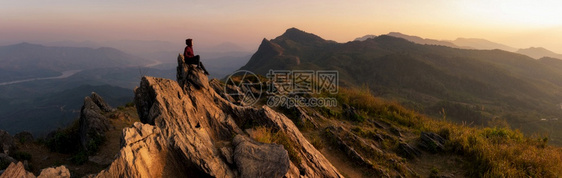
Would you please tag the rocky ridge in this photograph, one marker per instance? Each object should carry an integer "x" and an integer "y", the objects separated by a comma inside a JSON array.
[{"x": 188, "y": 129}]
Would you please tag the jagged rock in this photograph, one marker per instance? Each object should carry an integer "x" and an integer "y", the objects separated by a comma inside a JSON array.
[
  {"x": 227, "y": 91},
  {"x": 93, "y": 124},
  {"x": 408, "y": 151},
  {"x": 185, "y": 125},
  {"x": 24, "y": 137},
  {"x": 336, "y": 134},
  {"x": 98, "y": 100},
  {"x": 57, "y": 172},
  {"x": 359, "y": 150},
  {"x": 303, "y": 117},
  {"x": 227, "y": 153},
  {"x": 143, "y": 154},
  {"x": 187, "y": 75},
  {"x": 16, "y": 170},
  {"x": 432, "y": 142},
  {"x": 255, "y": 159},
  {"x": 7, "y": 144}
]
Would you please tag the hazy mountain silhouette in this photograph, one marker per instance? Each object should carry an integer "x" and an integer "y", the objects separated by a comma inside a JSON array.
[
  {"x": 420, "y": 40},
  {"x": 539, "y": 52},
  {"x": 363, "y": 38},
  {"x": 22, "y": 61},
  {"x": 477, "y": 43}
]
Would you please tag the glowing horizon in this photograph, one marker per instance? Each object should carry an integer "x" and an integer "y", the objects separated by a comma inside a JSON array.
[{"x": 520, "y": 24}]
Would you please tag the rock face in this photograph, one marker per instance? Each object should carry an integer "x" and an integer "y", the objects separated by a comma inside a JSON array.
[
  {"x": 189, "y": 130},
  {"x": 93, "y": 124},
  {"x": 432, "y": 142},
  {"x": 255, "y": 159},
  {"x": 57, "y": 172},
  {"x": 17, "y": 170}
]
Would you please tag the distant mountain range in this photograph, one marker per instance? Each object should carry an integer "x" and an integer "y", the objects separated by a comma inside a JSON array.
[
  {"x": 539, "y": 52},
  {"x": 24, "y": 61},
  {"x": 471, "y": 86},
  {"x": 473, "y": 43},
  {"x": 477, "y": 43},
  {"x": 41, "y": 102},
  {"x": 420, "y": 40}
]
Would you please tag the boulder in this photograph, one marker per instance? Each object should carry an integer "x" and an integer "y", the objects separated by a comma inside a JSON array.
[
  {"x": 255, "y": 159},
  {"x": 93, "y": 124},
  {"x": 56, "y": 172}
]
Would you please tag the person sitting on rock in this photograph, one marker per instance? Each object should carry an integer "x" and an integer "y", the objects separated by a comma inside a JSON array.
[{"x": 190, "y": 57}]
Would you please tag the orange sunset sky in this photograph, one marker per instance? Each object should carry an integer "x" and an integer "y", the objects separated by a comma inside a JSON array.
[{"x": 520, "y": 24}]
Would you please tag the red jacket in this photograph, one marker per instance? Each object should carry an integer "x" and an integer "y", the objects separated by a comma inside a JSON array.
[{"x": 188, "y": 52}]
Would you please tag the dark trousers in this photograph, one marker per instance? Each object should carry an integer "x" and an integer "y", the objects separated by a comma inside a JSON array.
[{"x": 195, "y": 60}]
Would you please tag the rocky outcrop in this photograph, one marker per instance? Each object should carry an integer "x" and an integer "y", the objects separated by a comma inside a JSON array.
[
  {"x": 93, "y": 124},
  {"x": 432, "y": 142},
  {"x": 56, "y": 172},
  {"x": 7, "y": 144},
  {"x": 189, "y": 130},
  {"x": 98, "y": 100},
  {"x": 255, "y": 159},
  {"x": 17, "y": 170},
  {"x": 408, "y": 151}
]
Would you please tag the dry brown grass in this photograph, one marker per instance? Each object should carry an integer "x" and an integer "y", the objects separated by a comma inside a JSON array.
[{"x": 493, "y": 152}]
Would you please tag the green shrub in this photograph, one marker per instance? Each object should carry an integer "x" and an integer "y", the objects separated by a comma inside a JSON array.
[
  {"x": 64, "y": 141},
  {"x": 130, "y": 104},
  {"x": 95, "y": 142},
  {"x": 80, "y": 158}
]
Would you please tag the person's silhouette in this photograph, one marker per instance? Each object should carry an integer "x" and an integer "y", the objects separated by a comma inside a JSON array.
[{"x": 190, "y": 57}]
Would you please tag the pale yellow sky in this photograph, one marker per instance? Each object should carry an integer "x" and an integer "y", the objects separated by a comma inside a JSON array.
[{"x": 519, "y": 24}]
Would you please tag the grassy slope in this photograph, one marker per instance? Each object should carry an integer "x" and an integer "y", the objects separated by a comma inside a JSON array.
[
  {"x": 469, "y": 151},
  {"x": 489, "y": 152}
]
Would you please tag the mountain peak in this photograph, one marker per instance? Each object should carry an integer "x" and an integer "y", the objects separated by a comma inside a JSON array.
[{"x": 300, "y": 36}]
